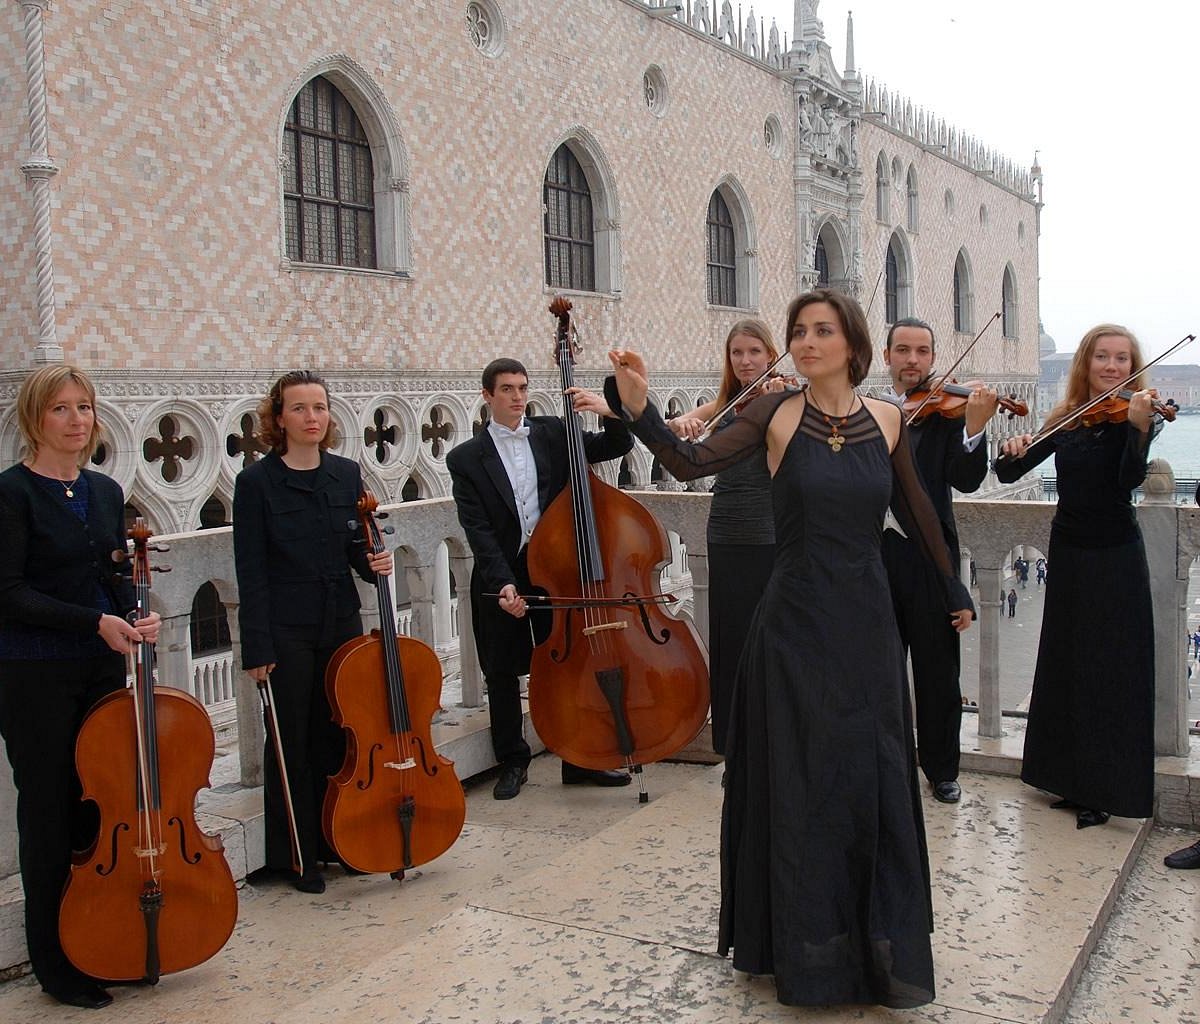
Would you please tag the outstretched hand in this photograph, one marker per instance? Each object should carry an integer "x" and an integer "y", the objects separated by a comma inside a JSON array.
[{"x": 630, "y": 371}]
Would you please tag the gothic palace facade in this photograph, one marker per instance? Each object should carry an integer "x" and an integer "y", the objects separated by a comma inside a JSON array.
[{"x": 198, "y": 196}]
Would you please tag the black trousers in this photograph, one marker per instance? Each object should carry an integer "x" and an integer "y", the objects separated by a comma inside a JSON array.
[
  {"x": 932, "y": 643},
  {"x": 42, "y": 705},
  {"x": 313, "y": 746}
]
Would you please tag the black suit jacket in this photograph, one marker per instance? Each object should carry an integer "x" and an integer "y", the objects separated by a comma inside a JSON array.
[
  {"x": 293, "y": 548},
  {"x": 487, "y": 511},
  {"x": 943, "y": 463}
]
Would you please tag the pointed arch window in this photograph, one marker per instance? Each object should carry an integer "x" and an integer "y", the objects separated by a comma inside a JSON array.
[
  {"x": 881, "y": 188},
  {"x": 722, "y": 259},
  {"x": 914, "y": 206},
  {"x": 891, "y": 286},
  {"x": 821, "y": 262},
  {"x": 1008, "y": 307},
  {"x": 962, "y": 294},
  {"x": 568, "y": 225},
  {"x": 328, "y": 180}
]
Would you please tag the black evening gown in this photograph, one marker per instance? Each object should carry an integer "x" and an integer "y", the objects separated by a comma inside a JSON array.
[
  {"x": 1090, "y": 735},
  {"x": 824, "y": 869}
]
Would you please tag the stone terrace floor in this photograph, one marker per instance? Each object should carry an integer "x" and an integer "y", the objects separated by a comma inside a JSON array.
[{"x": 577, "y": 905}]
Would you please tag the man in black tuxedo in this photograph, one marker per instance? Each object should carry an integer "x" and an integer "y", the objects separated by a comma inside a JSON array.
[
  {"x": 503, "y": 480},
  {"x": 948, "y": 453}
]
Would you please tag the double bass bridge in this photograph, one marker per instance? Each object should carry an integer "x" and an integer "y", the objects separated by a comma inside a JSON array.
[{"x": 591, "y": 630}]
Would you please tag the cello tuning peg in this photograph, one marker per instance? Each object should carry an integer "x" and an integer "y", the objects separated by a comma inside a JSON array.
[
  {"x": 381, "y": 515},
  {"x": 120, "y": 556},
  {"x": 160, "y": 568},
  {"x": 157, "y": 547},
  {"x": 353, "y": 525},
  {"x": 388, "y": 529}
]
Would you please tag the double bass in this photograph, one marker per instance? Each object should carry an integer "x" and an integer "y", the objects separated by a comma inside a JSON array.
[
  {"x": 618, "y": 682},
  {"x": 154, "y": 894},
  {"x": 396, "y": 803}
]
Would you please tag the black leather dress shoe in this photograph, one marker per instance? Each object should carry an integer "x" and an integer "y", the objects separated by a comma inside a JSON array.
[
  {"x": 312, "y": 881},
  {"x": 512, "y": 778},
  {"x": 947, "y": 792},
  {"x": 85, "y": 995},
  {"x": 573, "y": 775},
  {"x": 1087, "y": 818},
  {"x": 1188, "y": 857}
]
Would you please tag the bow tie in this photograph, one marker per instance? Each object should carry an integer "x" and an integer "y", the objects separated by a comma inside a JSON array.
[{"x": 501, "y": 431}]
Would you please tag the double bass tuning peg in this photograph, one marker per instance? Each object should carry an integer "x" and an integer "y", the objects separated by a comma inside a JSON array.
[
  {"x": 160, "y": 568},
  {"x": 119, "y": 555},
  {"x": 388, "y": 529}
]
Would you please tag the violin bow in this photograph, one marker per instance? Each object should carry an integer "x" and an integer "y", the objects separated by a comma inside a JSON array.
[
  {"x": 567, "y": 603},
  {"x": 946, "y": 376},
  {"x": 1050, "y": 431},
  {"x": 716, "y": 417},
  {"x": 267, "y": 695}
]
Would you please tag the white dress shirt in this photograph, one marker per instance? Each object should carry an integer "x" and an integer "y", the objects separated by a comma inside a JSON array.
[{"x": 517, "y": 455}]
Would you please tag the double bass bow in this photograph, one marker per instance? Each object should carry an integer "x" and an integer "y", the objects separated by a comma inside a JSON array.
[
  {"x": 154, "y": 895},
  {"x": 396, "y": 803},
  {"x": 618, "y": 683}
]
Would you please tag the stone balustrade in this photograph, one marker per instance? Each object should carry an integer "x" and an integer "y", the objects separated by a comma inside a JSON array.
[{"x": 429, "y": 545}]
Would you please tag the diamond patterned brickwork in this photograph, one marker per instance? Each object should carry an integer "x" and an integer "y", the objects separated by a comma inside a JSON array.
[{"x": 165, "y": 120}]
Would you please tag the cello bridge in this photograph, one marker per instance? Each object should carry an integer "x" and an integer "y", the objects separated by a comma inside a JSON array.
[
  {"x": 400, "y": 765},
  {"x": 589, "y": 630},
  {"x": 150, "y": 851}
]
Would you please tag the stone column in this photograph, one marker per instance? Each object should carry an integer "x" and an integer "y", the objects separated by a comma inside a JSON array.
[
  {"x": 250, "y": 730},
  {"x": 699, "y": 566},
  {"x": 442, "y": 630},
  {"x": 1158, "y": 520},
  {"x": 990, "y": 610},
  {"x": 468, "y": 659},
  {"x": 174, "y": 651},
  {"x": 420, "y": 595},
  {"x": 39, "y": 168}
]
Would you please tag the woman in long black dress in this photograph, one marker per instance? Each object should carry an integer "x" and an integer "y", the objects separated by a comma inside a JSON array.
[
  {"x": 824, "y": 872},
  {"x": 294, "y": 546},
  {"x": 741, "y": 528},
  {"x": 63, "y": 641},
  {"x": 1090, "y": 736}
]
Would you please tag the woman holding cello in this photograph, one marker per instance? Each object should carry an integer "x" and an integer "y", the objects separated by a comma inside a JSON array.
[
  {"x": 741, "y": 527},
  {"x": 294, "y": 533},
  {"x": 63, "y": 642},
  {"x": 1090, "y": 738}
]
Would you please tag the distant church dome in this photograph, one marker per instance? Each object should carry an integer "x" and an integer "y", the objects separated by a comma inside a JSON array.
[{"x": 1046, "y": 346}]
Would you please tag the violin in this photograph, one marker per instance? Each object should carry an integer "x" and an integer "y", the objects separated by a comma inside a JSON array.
[
  {"x": 790, "y": 381},
  {"x": 1115, "y": 409},
  {"x": 950, "y": 401},
  {"x": 154, "y": 894},
  {"x": 396, "y": 803},
  {"x": 618, "y": 682}
]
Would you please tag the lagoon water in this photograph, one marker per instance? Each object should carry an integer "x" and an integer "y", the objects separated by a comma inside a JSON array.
[{"x": 1178, "y": 443}]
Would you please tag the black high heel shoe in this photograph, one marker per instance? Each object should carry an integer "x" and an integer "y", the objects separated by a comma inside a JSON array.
[{"x": 1086, "y": 818}]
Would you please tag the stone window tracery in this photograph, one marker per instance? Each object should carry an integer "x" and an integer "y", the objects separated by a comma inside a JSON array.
[
  {"x": 722, "y": 263},
  {"x": 569, "y": 230},
  {"x": 655, "y": 91},
  {"x": 485, "y": 27}
]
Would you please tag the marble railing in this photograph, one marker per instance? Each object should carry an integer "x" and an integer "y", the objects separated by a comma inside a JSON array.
[{"x": 429, "y": 544}]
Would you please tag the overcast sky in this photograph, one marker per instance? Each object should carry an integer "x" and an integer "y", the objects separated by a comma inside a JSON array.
[{"x": 1108, "y": 94}]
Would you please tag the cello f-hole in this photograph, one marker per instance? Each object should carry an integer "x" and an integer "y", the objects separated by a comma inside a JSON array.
[
  {"x": 365, "y": 784},
  {"x": 103, "y": 871},
  {"x": 183, "y": 852}
]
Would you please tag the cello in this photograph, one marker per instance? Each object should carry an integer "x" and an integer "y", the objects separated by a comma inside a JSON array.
[
  {"x": 396, "y": 803},
  {"x": 618, "y": 683},
  {"x": 154, "y": 894}
]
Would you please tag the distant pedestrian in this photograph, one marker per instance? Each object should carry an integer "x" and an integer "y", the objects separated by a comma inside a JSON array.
[
  {"x": 1023, "y": 573},
  {"x": 1196, "y": 644},
  {"x": 1012, "y": 604},
  {"x": 974, "y": 578}
]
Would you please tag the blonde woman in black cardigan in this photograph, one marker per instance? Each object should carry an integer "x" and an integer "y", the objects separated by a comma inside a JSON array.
[{"x": 63, "y": 640}]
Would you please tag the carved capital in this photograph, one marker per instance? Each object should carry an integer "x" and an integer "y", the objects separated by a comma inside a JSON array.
[
  {"x": 41, "y": 5},
  {"x": 39, "y": 167}
]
